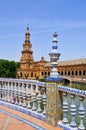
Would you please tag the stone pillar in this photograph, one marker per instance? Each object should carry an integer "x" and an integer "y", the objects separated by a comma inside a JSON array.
[{"x": 53, "y": 103}]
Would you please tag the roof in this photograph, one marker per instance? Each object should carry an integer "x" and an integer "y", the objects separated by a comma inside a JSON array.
[
  {"x": 69, "y": 62},
  {"x": 72, "y": 62}
]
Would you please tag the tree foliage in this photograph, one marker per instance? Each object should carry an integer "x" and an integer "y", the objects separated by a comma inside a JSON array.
[{"x": 8, "y": 68}]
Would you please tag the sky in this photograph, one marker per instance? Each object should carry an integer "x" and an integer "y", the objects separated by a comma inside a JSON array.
[{"x": 44, "y": 17}]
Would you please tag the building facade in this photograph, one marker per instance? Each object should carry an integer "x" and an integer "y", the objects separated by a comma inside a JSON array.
[{"x": 30, "y": 69}]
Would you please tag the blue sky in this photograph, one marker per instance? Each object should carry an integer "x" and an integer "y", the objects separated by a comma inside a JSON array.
[{"x": 44, "y": 17}]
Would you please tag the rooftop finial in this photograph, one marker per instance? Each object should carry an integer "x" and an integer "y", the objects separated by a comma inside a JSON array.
[
  {"x": 27, "y": 29},
  {"x": 55, "y": 34}
]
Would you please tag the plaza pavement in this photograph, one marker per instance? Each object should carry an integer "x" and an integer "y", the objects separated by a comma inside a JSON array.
[{"x": 19, "y": 121}]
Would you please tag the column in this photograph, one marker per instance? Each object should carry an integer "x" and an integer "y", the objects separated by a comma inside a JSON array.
[{"x": 53, "y": 102}]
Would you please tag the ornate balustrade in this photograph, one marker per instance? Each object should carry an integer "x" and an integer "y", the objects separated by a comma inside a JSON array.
[
  {"x": 28, "y": 96},
  {"x": 71, "y": 109}
]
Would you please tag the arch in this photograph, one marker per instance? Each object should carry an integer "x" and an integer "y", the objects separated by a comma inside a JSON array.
[
  {"x": 76, "y": 73},
  {"x": 65, "y": 73},
  {"x": 21, "y": 74},
  {"x": 31, "y": 74},
  {"x": 80, "y": 73},
  {"x": 72, "y": 72},
  {"x": 42, "y": 73},
  {"x": 61, "y": 72},
  {"x": 68, "y": 72},
  {"x": 45, "y": 73},
  {"x": 48, "y": 73},
  {"x": 83, "y": 72}
]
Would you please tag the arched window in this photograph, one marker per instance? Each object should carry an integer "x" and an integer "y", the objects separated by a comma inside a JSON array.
[
  {"x": 45, "y": 73},
  {"x": 80, "y": 73},
  {"x": 31, "y": 74},
  {"x": 65, "y": 72},
  {"x": 72, "y": 72},
  {"x": 21, "y": 74},
  {"x": 42, "y": 73},
  {"x": 76, "y": 72},
  {"x": 61, "y": 72},
  {"x": 68, "y": 72},
  {"x": 48, "y": 73},
  {"x": 83, "y": 72}
]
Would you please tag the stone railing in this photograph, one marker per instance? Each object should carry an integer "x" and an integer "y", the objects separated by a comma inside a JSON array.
[
  {"x": 72, "y": 109},
  {"x": 28, "y": 96}
]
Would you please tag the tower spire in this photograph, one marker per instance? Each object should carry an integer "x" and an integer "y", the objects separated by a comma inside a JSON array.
[{"x": 27, "y": 35}]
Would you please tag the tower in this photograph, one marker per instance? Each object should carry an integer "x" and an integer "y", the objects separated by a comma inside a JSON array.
[{"x": 27, "y": 53}]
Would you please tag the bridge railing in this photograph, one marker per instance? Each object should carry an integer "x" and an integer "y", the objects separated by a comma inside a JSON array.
[
  {"x": 24, "y": 95},
  {"x": 72, "y": 109},
  {"x": 29, "y": 96}
]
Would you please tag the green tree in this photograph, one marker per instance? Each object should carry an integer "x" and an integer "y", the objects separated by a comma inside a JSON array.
[{"x": 8, "y": 68}]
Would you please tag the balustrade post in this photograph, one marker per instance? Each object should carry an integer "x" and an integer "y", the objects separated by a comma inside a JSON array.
[
  {"x": 39, "y": 99},
  {"x": 16, "y": 94},
  {"x": 24, "y": 95},
  {"x": 13, "y": 92},
  {"x": 9, "y": 93},
  {"x": 81, "y": 113},
  {"x": 73, "y": 111},
  {"x": 53, "y": 102},
  {"x": 44, "y": 101},
  {"x": 20, "y": 94},
  {"x": 29, "y": 96},
  {"x": 65, "y": 108},
  {"x": 0, "y": 89},
  {"x": 5, "y": 91},
  {"x": 34, "y": 98}
]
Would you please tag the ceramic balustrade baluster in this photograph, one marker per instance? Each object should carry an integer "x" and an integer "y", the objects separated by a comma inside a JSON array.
[
  {"x": 39, "y": 100},
  {"x": 44, "y": 102},
  {"x": 24, "y": 95},
  {"x": 16, "y": 94},
  {"x": 34, "y": 98},
  {"x": 20, "y": 94},
  {"x": 65, "y": 108},
  {"x": 0, "y": 89},
  {"x": 81, "y": 113},
  {"x": 73, "y": 111},
  {"x": 29, "y": 96},
  {"x": 9, "y": 99},
  {"x": 13, "y": 92},
  {"x": 5, "y": 91}
]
